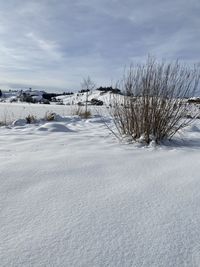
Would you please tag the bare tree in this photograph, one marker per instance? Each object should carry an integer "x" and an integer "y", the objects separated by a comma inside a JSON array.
[
  {"x": 87, "y": 85},
  {"x": 153, "y": 106}
]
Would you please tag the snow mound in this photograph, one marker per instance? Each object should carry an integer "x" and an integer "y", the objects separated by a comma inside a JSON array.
[
  {"x": 19, "y": 122},
  {"x": 194, "y": 128},
  {"x": 54, "y": 127},
  {"x": 59, "y": 118},
  {"x": 99, "y": 119}
]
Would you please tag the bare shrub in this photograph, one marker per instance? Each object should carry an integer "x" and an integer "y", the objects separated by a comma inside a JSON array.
[
  {"x": 6, "y": 117},
  {"x": 30, "y": 119},
  {"x": 4, "y": 120},
  {"x": 76, "y": 110},
  {"x": 87, "y": 85},
  {"x": 85, "y": 114},
  {"x": 154, "y": 105},
  {"x": 50, "y": 116},
  {"x": 79, "y": 111}
]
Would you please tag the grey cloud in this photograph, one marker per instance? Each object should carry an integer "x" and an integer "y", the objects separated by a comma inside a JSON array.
[{"x": 57, "y": 42}]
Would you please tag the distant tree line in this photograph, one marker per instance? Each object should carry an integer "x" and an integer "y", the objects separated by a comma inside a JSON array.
[
  {"x": 109, "y": 89},
  {"x": 84, "y": 91},
  {"x": 67, "y": 93},
  {"x": 49, "y": 96}
]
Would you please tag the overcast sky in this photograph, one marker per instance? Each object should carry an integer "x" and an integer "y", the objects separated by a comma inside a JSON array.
[{"x": 55, "y": 43}]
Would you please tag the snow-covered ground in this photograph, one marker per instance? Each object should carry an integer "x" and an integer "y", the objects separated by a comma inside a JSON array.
[
  {"x": 12, "y": 111},
  {"x": 72, "y": 195}
]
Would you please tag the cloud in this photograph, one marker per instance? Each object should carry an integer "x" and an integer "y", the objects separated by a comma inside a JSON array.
[
  {"x": 56, "y": 43},
  {"x": 50, "y": 48}
]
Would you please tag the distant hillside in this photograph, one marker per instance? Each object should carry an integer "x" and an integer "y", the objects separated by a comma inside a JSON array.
[{"x": 80, "y": 97}]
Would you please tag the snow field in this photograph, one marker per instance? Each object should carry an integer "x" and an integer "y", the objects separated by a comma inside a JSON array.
[
  {"x": 71, "y": 195},
  {"x": 13, "y": 111}
]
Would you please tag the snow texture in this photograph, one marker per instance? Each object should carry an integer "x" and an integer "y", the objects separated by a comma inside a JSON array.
[{"x": 71, "y": 195}]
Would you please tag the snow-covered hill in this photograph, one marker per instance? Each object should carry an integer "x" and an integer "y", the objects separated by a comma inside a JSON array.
[
  {"x": 76, "y": 98},
  {"x": 71, "y": 99}
]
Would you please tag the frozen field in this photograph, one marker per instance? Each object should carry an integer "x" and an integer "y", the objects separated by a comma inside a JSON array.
[
  {"x": 13, "y": 111},
  {"x": 72, "y": 195}
]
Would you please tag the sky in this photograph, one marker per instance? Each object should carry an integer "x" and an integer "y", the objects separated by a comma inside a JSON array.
[{"x": 54, "y": 44}]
